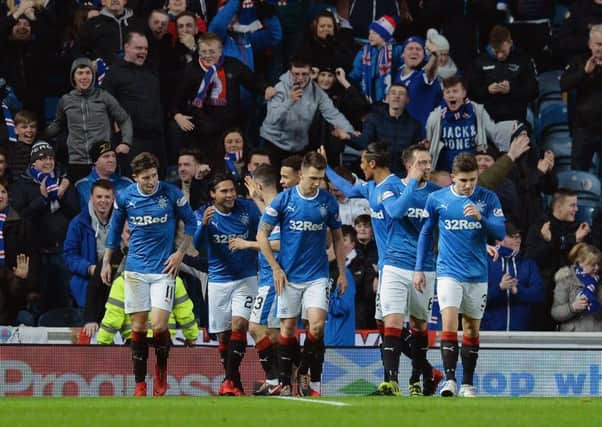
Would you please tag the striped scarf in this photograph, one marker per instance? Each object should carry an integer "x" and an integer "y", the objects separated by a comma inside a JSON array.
[
  {"x": 384, "y": 65},
  {"x": 101, "y": 70},
  {"x": 230, "y": 159},
  {"x": 3, "y": 215},
  {"x": 590, "y": 288},
  {"x": 213, "y": 85},
  {"x": 52, "y": 186},
  {"x": 9, "y": 122}
]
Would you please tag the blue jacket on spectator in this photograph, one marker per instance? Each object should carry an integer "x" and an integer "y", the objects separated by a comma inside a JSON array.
[
  {"x": 80, "y": 253},
  {"x": 506, "y": 311},
  {"x": 340, "y": 324},
  {"x": 84, "y": 185}
]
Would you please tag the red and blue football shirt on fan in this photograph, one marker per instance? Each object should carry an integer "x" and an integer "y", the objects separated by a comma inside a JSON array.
[
  {"x": 462, "y": 239},
  {"x": 405, "y": 203},
  {"x": 303, "y": 225},
  {"x": 152, "y": 219},
  {"x": 226, "y": 265}
]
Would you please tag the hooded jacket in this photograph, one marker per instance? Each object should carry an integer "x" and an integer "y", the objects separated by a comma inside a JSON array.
[
  {"x": 287, "y": 123},
  {"x": 104, "y": 35},
  {"x": 485, "y": 128},
  {"x": 88, "y": 116},
  {"x": 80, "y": 253},
  {"x": 507, "y": 311}
]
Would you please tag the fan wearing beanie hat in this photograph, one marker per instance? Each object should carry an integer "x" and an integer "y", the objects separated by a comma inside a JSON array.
[
  {"x": 423, "y": 88},
  {"x": 437, "y": 42},
  {"x": 103, "y": 155},
  {"x": 375, "y": 63}
]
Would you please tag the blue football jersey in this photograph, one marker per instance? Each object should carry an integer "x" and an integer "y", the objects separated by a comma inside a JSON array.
[
  {"x": 373, "y": 192},
  {"x": 424, "y": 96},
  {"x": 265, "y": 271},
  {"x": 152, "y": 220},
  {"x": 226, "y": 265},
  {"x": 303, "y": 224},
  {"x": 462, "y": 239},
  {"x": 405, "y": 202}
]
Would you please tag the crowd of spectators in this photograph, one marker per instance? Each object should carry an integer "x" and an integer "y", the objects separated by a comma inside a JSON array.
[{"x": 227, "y": 85}]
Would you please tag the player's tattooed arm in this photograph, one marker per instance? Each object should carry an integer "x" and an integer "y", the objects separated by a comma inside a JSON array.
[
  {"x": 264, "y": 244},
  {"x": 173, "y": 263}
]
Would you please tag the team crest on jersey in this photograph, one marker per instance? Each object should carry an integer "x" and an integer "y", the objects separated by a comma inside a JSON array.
[
  {"x": 244, "y": 219},
  {"x": 480, "y": 205},
  {"x": 162, "y": 202},
  {"x": 323, "y": 211}
]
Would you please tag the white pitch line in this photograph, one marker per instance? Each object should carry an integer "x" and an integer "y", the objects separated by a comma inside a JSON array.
[{"x": 322, "y": 402}]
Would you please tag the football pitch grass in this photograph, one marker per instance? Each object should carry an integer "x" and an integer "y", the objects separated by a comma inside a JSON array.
[{"x": 289, "y": 412}]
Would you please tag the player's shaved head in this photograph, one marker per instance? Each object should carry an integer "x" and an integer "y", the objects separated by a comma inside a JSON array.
[{"x": 266, "y": 175}]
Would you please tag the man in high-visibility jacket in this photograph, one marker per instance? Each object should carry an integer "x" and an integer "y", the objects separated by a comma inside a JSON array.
[{"x": 116, "y": 320}]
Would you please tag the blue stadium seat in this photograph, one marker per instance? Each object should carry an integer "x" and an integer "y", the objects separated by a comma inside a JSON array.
[
  {"x": 586, "y": 213},
  {"x": 585, "y": 184},
  {"x": 551, "y": 119},
  {"x": 560, "y": 143},
  {"x": 549, "y": 89},
  {"x": 50, "y": 105},
  {"x": 61, "y": 317}
]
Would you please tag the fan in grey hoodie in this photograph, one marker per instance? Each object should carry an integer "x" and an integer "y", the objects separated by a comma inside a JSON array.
[
  {"x": 291, "y": 111},
  {"x": 87, "y": 113}
]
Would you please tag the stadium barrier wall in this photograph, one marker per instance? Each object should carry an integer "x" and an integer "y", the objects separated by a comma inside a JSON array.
[{"x": 70, "y": 370}]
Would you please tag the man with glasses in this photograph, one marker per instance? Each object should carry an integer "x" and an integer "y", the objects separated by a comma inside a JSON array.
[
  {"x": 291, "y": 112},
  {"x": 207, "y": 100}
]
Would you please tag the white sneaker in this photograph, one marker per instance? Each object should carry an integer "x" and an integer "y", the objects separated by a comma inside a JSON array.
[
  {"x": 449, "y": 389},
  {"x": 467, "y": 390}
]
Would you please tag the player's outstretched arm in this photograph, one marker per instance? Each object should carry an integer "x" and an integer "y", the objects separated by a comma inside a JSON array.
[
  {"x": 339, "y": 251},
  {"x": 264, "y": 244},
  {"x": 425, "y": 240},
  {"x": 239, "y": 244}
]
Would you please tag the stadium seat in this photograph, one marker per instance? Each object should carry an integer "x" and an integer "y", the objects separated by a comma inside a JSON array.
[
  {"x": 585, "y": 184},
  {"x": 61, "y": 317},
  {"x": 560, "y": 143},
  {"x": 553, "y": 117},
  {"x": 586, "y": 213},
  {"x": 50, "y": 105},
  {"x": 549, "y": 88}
]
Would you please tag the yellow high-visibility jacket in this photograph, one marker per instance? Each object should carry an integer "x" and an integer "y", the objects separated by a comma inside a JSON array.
[{"x": 116, "y": 320}]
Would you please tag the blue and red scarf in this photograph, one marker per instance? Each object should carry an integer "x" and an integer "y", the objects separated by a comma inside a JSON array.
[
  {"x": 230, "y": 160},
  {"x": 212, "y": 90},
  {"x": 9, "y": 122},
  {"x": 590, "y": 288},
  {"x": 384, "y": 68},
  {"x": 3, "y": 215}
]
